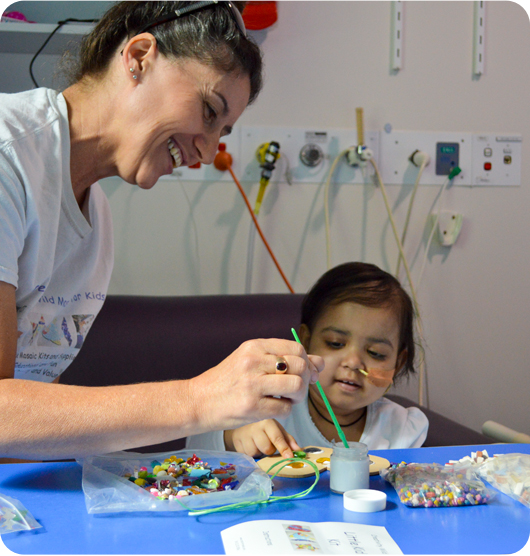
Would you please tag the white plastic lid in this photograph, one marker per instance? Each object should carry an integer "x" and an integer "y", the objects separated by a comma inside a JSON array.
[{"x": 364, "y": 500}]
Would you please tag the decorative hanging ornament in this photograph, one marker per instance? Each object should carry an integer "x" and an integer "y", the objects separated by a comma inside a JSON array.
[{"x": 259, "y": 15}]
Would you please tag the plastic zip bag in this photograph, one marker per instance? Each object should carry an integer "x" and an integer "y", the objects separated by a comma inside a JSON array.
[
  {"x": 14, "y": 516},
  {"x": 108, "y": 489},
  {"x": 509, "y": 473},
  {"x": 434, "y": 485}
]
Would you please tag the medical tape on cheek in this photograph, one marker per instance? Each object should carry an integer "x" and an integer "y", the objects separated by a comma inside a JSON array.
[{"x": 380, "y": 378}]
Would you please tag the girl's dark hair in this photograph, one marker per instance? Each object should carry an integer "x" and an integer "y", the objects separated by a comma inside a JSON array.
[
  {"x": 209, "y": 36},
  {"x": 367, "y": 285}
]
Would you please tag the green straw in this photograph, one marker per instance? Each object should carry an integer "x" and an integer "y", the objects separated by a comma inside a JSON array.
[{"x": 335, "y": 422}]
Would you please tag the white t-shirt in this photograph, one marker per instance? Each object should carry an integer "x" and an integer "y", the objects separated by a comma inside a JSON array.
[
  {"x": 58, "y": 256},
  {"x": 388, "y": 426}
]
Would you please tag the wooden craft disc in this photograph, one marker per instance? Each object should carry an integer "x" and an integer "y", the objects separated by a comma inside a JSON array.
[
  {"x": 320, "y": 457},
  {"x": 314, "y": 453},
  {"x": 377, "y": 463}
]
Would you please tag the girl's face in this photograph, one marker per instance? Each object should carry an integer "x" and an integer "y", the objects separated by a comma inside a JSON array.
[
  {"x": 351, "y": 337},
  {"x": 176, "y": 112}
]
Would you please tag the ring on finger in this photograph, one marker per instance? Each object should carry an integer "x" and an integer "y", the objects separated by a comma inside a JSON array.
[{"x": 281, "y": 365}]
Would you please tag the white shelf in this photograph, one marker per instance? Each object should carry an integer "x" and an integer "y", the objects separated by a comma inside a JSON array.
[{"x": 27, "y": 38}]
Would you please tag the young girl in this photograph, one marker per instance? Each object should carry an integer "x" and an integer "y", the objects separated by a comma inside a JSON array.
[{"x": 360, "y": 320}]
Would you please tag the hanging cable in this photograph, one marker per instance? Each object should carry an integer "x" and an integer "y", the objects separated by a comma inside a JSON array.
[
  {"x": 445, "y": 184},
  {"x": 422, "y": 373},
  {"x": 59, "y": 25},
  {"x": 326, "y": 204},
  {"x": 359, "y": 156},
  {"x": 223, "y": 161},
  {"x": 194, "y": 225},
  {"x": 424, "y": 162},
  {"x": 250, "y": 257},
  {"x": 259, "y": 230}
]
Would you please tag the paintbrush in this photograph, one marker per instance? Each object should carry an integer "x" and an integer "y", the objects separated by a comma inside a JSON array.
[{"x": 321, "y": 390}]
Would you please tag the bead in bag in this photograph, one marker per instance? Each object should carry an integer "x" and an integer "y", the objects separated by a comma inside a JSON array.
[
  {"x": 132, "y": 482},
  {"x": 509, "y": 473},
  {"x": 422, "y": 485}
]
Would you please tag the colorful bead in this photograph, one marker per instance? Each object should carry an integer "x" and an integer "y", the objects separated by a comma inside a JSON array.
[
  {"x": 175, "y": 478},
  {"x": 433, "y": 485}
]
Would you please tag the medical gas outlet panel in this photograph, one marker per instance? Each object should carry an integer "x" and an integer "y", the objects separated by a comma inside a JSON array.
[
  {"x": 497, "y": 159},
  {"x": 307, "y": 156},
  {"x": 486, "y": 159}
]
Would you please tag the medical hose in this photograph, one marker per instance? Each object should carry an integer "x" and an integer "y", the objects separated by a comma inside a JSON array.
[{"x": 223, "y": 161}]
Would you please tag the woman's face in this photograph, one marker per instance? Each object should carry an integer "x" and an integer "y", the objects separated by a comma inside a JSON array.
[
  {"x": 182, "y": 107},
  {"x": 351, "y": 337}
]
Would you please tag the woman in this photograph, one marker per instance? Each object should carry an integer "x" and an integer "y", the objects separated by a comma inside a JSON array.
[{"x": 156, "y": 88}]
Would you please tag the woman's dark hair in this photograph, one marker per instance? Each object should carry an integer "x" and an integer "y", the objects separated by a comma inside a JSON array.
[
  {"x": 367, "y": 285},
  {"x": 209, "y": 36}
]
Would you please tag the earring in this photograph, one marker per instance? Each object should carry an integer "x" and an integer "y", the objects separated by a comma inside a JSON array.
[{"x": 132, "y": 71}]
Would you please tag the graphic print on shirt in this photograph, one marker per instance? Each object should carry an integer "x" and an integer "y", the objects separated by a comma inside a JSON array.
[{"x": 49, "y": 343}]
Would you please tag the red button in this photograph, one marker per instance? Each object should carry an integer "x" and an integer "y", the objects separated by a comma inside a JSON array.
[
  {"x": 487, "y": 165},
  {"x": 198, "y": 165}
]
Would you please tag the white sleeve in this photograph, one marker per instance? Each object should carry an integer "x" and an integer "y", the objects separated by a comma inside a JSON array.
[
  {"x": 207, "y": 441},
  {"x": 392, "y": 426},
  {"x": 416, "y": 428},
  {"x": 12, "y": 222}
]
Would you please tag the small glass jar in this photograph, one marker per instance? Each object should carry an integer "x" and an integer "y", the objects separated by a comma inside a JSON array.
[{"x": 349, "y": 467}]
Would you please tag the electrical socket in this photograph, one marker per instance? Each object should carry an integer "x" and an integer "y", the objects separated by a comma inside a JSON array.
[
  {"x": 397, "y": 146},
  {"x": 449, "y": 226}
]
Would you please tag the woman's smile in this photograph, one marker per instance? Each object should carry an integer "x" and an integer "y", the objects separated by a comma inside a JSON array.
[{"x": 175, "y": 153}]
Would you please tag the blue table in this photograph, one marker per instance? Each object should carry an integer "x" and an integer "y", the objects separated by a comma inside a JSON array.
[{"x": 52, "y": 493}]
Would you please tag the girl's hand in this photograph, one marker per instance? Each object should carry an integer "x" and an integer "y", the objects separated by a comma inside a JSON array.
[{"x": 262, "y": 438}]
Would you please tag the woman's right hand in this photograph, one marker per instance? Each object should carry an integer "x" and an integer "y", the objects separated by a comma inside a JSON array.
[
  {"x": 262, "y": 438},
  {"x": 246, "y": 387}
]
